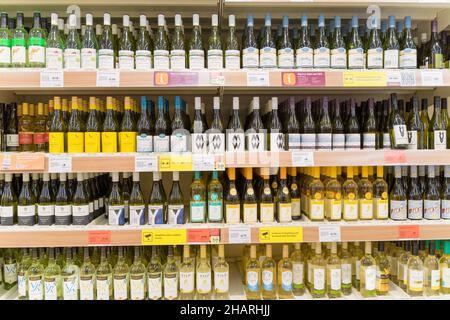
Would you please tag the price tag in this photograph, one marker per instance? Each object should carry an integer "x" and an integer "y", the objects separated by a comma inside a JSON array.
[
  {"x": 29, "y": 161},
  {"x": 52, "y": 79},
  {"x": 182, "y": 162},
  {"x": 257, "y": 78},
  {"x": 145, "y": 162},
  {"x": 99, "y": 237},
  {"x": 432, "y": 78},
  {"x": 108, "y": 78},
  {"x": 59, "y": 163},
  {"x": 239, "y": 235},
  {"x": 364, "y": 78},
  {"x": 163, "y": 236},
  {"x": 203, "y": 235},
  {"x": 409, "y": 232},
  {"x": 280, "y": 234},
  {"x": 302, "y": 158},
  {"x": 408, "y": 78},
  {"x": 207, "y": 162},
  {"x": 393, "y": 78},
  {"x": 394, "y": 157},
  {"x": 329, "y": 233},
  {"x": 6, "y": 161},
  {"x": 216, "y": 79}
]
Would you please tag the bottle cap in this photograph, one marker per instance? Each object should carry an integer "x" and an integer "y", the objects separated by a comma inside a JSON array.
[
  {"x": 178, "y": 20},
  {"x": 268, "y": 20},
  {"x": 274, "y": 103},
  {"x": 160, "y": 102},
  {"x": 337, "y": 22},
  {"x": 413, "y": 171},
  {"x": 115, "y": 176},
  {"x": 126, "y": 21},
  {"x": 216, "y": 103},
  {"x": 54, "y": 19},
  {"x": 399, "y": 26},
  {"x": 176, "y": 176},
  {"x": 79, "y": 176},
  {"x": 391, "y": 21},
  {"x": 255, "y": 102},
  {"x": 423, "y": 37},
  {"x": 285, "y": 22},
  {"x": 155, "y": 176},
  {"x": 61, "y": 24},
  {"x": 214, "y": 20},
  {"x": 235, "y": 103},
  {"x": 160, "y": 20},
  {"x": 304, "y": 20},
  {"x": 62, "y": 176},
  {"x": 355, "y": 21},
  {"x": 142, "y": 20},
  {"x": 46, "y": 177},
  {"x": 195, "y": 19},
  {"x": 89, "y": 19},
  {"x": 114, "y": 29},
  {"x": 249, "y": 21},
  {"x": 198, "y": 103},
  {"x": 215, "y": 175},
  {"x": 106, "y": 19},
  {"x": 72, "y": 21},
  {"x": 231, "y": 20},
  {"x": 321, "y": 20},
  {"x": 177, "y": 102}
]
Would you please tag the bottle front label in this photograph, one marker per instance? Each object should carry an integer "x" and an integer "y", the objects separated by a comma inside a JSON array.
[
  {"x": 352, "y": 141},
  {"x": 175, "y": 214},
  {"x": 295, "y": 204},
  {"x": 127, "y": 141},
  {"x": 335, "y": 279},
  {"x": 370, "y": 277},
  {"x": 137, "y": 288},
  {"x": 203, "y": 282},
  {"x": 80, "y": 214},
  {"x": 250, "y": 213},
  {"x": 109, "y": 141},
  {"x": 214, "y": 209},
  {"x": 170, "y": 287},
  {"x": 308, "y": 141},
  {"x": 324, "y": 141},
  {"x": 22, "y": 284},
  {"x": 199, "y": 143},
  {"x": 445, "y": 281},
  {"x": 267, "y": 280},
  {"x": 435, "y": 279},
  {"x": 398, "y": 210},
  {"x": 215, "y": 59},
  {"x": 297, "y": 275},
  {"x": 10, "y": 273},
  {"x": 339, "y": 58},
  {"x": 267, "y": 212},
  {"x": 356, "y": 58},
  {"x": 440, "y": 139},
  {"x": 55, "y": 141},
  {"x": 63, "y": 214},
  {"x": 92, "y": 142},
  {"x": 137, "y": 215},
  {"x": 317, "y": 208},
  {"x": 5, "y": 55},
  {"x": 25, "y": 138},
  {"x": 432, "y": 209},
  {"x": 126, "y": 60},
  {"x": 6, "y": 215},
  {"x": 120, "y": 285},
  {"x": 54, "y": 58},
  {"x": 232, "y": 59},
  {"x": 86, "y": 288},
  {"x": 197, "y": 211},
  {"x": 286, "y": 58},
  {"x": 75, "y": 142},
  {"x": 318, "y": 278},
  {"x": 72, "y": 59},
  {"x": 415, "y": 280},
  {"x": 46, "y": 214},
  {"x": 50, "y": 290},
  {"x": 235, "y": 142},
  {"x": 144, "y": 143},
  {"x": 284, "y": 212},
  {"x": 216, "y": 143},
  {"x": 255, "y": 141},
  {"x": 334, "y": 208},
  {"x": 400, "y": 135},
  {"x": 221, "y": 281},
  {"x": 293, "y": 141},
  {"x": 369, "y": 141},
  {"x": 143, "y": 60},
  {"x": 70, "y": 288},
  {"x": 445, "y": 209},
  {"x": 415, "y": 209},
  {"x": 365, "y": 209},
  {"x": 186, "y": 282},
  {"x": 233, "y": 213},
  {"x": 161, "y": 143},
  {"x": 286, "y": 280},
  {"x": 350, "y": 210},
  {"x": 338, "y": 141},
  {"x": 252, "y": 281},
  {"x": 408, "y": 58},
  {"x": 250, "y": 57},
  {"x": 196, "y": 59},
  {"x": 35, "y": 289},
  {"x": 88, "y": 59},
  {"x": 305, "y": 57},
  {"x": 18, "y": 54},
  {"x": 116, "y": 215},
  {"x": 412, "y": 140},
  {"x": 375, "y": 58},
  {"x": 322, "y": 58},
  {"x": 161, "y": 59},
  {"x": 155, "y": 214},
  {"x": 177, "y": 59},
  {"x": 26, "y": 215},
  {"x": 346, "y": 273},
  {"x": 391, "y": 59},
  {"x": 276, "y": 141},
  {"x": 106, "y": 59},
  {"x": 268, "y": 57}
]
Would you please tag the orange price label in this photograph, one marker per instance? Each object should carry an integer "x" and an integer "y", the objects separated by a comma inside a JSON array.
[
  {"x": 205, "y": 235},
  {"x": 161, "y": 78},
  {"x": 99, "y": 237},
  {"x": 409, "y": 232},
  {"x": 29, "y": 161},
  {"x": 394, "y": 157},
  {"x": 289, "y": 79}
]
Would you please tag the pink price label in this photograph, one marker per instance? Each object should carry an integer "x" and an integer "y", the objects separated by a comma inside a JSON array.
[
  {"x": 394, "y": 157},
  {"x": 409, "y": 232},
  {"x": 303, "y": 79},
  {"x": 175, "y": 79}
]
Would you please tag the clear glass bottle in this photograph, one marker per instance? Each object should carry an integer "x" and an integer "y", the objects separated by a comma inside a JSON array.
[
  {"x": 318, "y": 273},
  {"x": 415, "y": 269},
  {"x": 170, "y": 276},
  {"x": 269, "y": 275},
  {"x": 103, "y": 277},
  {"x": 253, "y": 276},
  {"x": 383, "y": 270},
  {"x": 298, "y": 274},
  {"x": 187, "y": 276},
  {"x": 221, "y": 275},
  {"x": 87, "y": 277},
  {"x": 334, "y": 273},
  {"x": 52, "y": 278},
  {"x": 368, "y": 273},
  {"x": 35, "y": 275},
  {"x": 138, "y": 277},
  {"x": 121, "y": 274},
  {"x": 203, "y": 276},
  {"x": 154, "y": 276}
]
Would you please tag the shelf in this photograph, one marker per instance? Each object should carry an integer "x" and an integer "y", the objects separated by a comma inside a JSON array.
[{"x": 28, "y": 81}]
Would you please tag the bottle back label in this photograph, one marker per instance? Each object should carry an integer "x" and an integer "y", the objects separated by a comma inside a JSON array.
[
  {"x": 75, "y": 142},
  {"x": 286, "y": 58},
  {"x": 408, "y": 58},
  {"x": 63, "y": 214},
  {"x": 356, "y": 58},
  {"x": 305, "y": 57},
  {"x": 391, "y": 59},
  {"x": 339, "y": 58},
  {"x": 88, "y": 59},
  {"x": 215, "y": 59},
  {"x": 415, "y": 209},
  {"x": 109, "y": 141},
  {"x": 196, "y": 59},
  {"x": 26, "y": 215},
  {"x": 177, "y": 59},
  {"x": 440, "y": 139},
  {"x": 235, "y": 141},
  {"x": 72, "y": 59},
  {"x": 250, "y": 57},
  {"x": 56, "y": 142},
  {"x": 92, "y": 142},
  {"x": 137, "y": 215},
  {"x": 375, "y": 58},
  {"x": 144, "y": 143},
  {"x": 105, "y": 59},
  {"x": 127, "y": 141},
  {"x": 398, "y": 210},
  {"x": 232, "y": 59},
  {"x": 143, "y": 60},
  {"x": 161, "y": 59},
  {"x": 126, "y": 60},
  {"x": 432, "y": 209},
  {"x": 276, "y": 141},
  {"x": 80, "y": 214},
  {"x": 322, "y": 58},
  {"x": 53, "y": 58},
  {"x": 155, "y": 214},
  {"x": 175, "y": 214}
]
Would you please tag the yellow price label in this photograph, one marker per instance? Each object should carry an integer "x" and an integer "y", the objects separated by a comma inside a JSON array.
[
  {"x": 364, "y": 79},
  {"x": 163, "y": 237},
  {"x": 182, "y": 162},
  {"x": 280, "y": 234}
]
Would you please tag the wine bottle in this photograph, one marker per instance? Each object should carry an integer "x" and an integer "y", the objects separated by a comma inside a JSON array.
[
  {"x": 121, "y": 276},
  {"x": 127, "y": 134},
  {"x": 176, "y": 202},
  {"x": 350, "y": 194},
  {"x": 215, "y": 51},
  {"x": 8, "y": 203},
  {"x": 177, "y": 50},
  {"x": 80, "y": 203},
  {"x": 143, "y": 56},
  {"x": 416, "y": 128},
  {"x": 116, "y": 206},
  {"x": 294, "y": 193},
  {"x": 352, "y": 132},
  {"x": 35, "y": 273},
  {"x": 137, "y": 277},
  {"x": 250, "y": 51},
  {"x": 19, "y": 56},
  {"x": 356, "y": 53},
  {"x": 368, "y": 272},
  {"x": 199, "y": 127},
  {"x": 55, "y": 46},
  {"x": 437, "y": 134},
  {"x": 235, "y": 133},
  {"x": 391, "y": 46},
  {"x": 106, "y": 52},
  {"x": 431, "y": 272},
  {"x": 375, "y": 46},
  {"x": 161, "y": 139},
  {"x": 370, "y": 133},
  {"x": 144, "y": 137},
  {"x": 334, "y": 273},
  {"x": 170, "y": 277},
  {"x": 126, "y": 48},
  {"x": 249, "y": 199},
  {"x": 26, "y": 203},
  {"x": 415, "y": 196},
  {"x": 317, "y": 197},
  {"x": 5, "y": 41},
  {"x": 255, "y": 135},
  {"x": 276, "y": 135},
  {"x": 72, "y": 54},
  {"x": 317, "y": 273},
  {"x": 196, "y": 50},
  {"x": 408, "y": 52},
  {"x": 63, "y": 209},
  {"x": 186, "y": 274},
  {"x": 197, "y": 200},
  {"x": 157, "y": 202},
  {"x": 203, "y": 276},
  {"x": 308, "y": 134},
  {"x": 435, "y": 50},
  {"x": 324, "y": 128},
  {"x": 415, "y": 270},
  {"x": 365, "y": 196},
  {"x": 268, "y": 275},
  {"x": 26, "y": 129},
  {"x": 397, "y": 127},
  {"x": 45, "y": 205},
  {"x": 75, "y": 129},
  {"x": 304, "y": 51},
  {"x": 161, "y": 54},
  {"x": 397, "y": 198},
  {"x": 89, "y": 46},
  {"x": 215, "y": 199},
  {"x": 268, "y": 51},
  {"x": 338, "y": 48},
  {"x": 383, "y": 271},
  {"x": 232, "y": 51},
  {"x": 284, "y": 204},
  {"x": 285, "y": 47},
  {"x": 432, "y": 198},
  {"x": 216, "y": 135},
  {"x": 40, "y": 136},
  {"x": 321, "y": 47}
]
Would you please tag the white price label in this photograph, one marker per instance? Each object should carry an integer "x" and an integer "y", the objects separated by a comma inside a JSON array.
[
  {"x": 216, "y": 79},
  {"x": 432, "y": 78},
  {"x": 302, "y": 158},
  {"x": 59, "y": 163},
  {"x": 257, "y": 78},
  {"x": 52, "y": 79},
  {"x": 206, "y": 162},
  {"x": 6, "y": 165},
  {"x": 239, "y": 234},
  {"x": 108, "y": 78},
  {"x": 408, "y": 78},
  {"x": 145, "y": 162},
  {"x": 393, "y": 78},
  {"x": 329, "y": 233}
]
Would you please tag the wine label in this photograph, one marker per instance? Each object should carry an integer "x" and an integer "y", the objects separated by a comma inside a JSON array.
[
  {"x": 26, "y": 215},
  {"x": 5, "y": 51},
  {"x": 109, "y": 141},
  {"x": 415, "y": 209},
  {"x": 386, "y": 141},
  {"x": 317, "y": 209},
  {"x": 18, "y": 53},
  {"x": 170, "y": 286},
  {"x": 297, "y": 275},
  {"x": 161, "y": 143},
  {"x": 105, "y": 59},
  {"x": 333, "y": 208},
  {"x": 215, "y": 59},
  {"x": 116, "y": 215},
  {"x": 318, "y": 278},
  {"x": 161, "y": 59},
  {"x": 445, "y": 281},
  {"x": 352, "y": 141},
  {"x": 6, "y": 215},
  {"x": 375, "y": 58},
  {"x": 276, "y": 141},
  {"x": 445, "y": 209},
  {"x": 370, "y": 277},
  {"x": 203, "y": 281},
  {"x": 412, "y": 140},
  {"x": 400, "y": 135},
  {"x": 22, "y": 284},
  {"x": 199, "y": 143},
  {"x": 178, "y": 59},
  {"x": 53, "y": 58},
  {"x": 284, "y": 212},
  {"x": 268, "y": 57},
  {"x": 137, "y": 287},
  {"x": 214, "y": 208},
  {"x": 286, "y": 58},
  {"x": 92, "y": 142},
  {"x": 255, "y": 141},
  {"x": 196, "y": 59},
  {"x": 350, "y": 211},
  {"x": 322, "y": 57},
  {"x": 55, "y": 142},
  {"x": 233, "y": 213},
  {"x": 346, "y": 273},
  {"x": 216, "y": 142},
  {"x": 63, "y": 214},
  {"x": 144, "y": 143},
  {"x": 35, "y": 288},
  {"x": 120, "y": 286},
  {"x": 305, "y": 57},
  {"x": 432, "y": 209},
  {"x": 103, "y": 284},
  {"x": 88, "y": 59},
  {"x": 252, "y": 281},
  {"x": 267, "y": 280},
  {"x": 338, "y": 141},
  {"x": 324, "y": 141},
  {"x": 46, "y": 214},
  {"x": 369, "y": 141},
  {"x": 155, "y": 214},
  {"x": 415, "y": 280},
  {"x": 391, "y": 59},
  {"x": 175, "y": 214},
  {"x": 50, "y": 289},
  {"x": 250, "y": 213},
  {"x": 70, "y": 288},
  {"x": 72, "y": 59},
  {"x": 308, "y": 141},
  {"x": 25, "y": 138},
  {"x": 126, "y": 60},
  {"x": 86, "y": 287},
  {"x": 197, "y": 211},
  {"x": 295, "y": 204},
  {"x": 137, "y": 215},
  {"x": 435, "y": 279},
  {"x": 335, "y": 279},
  {"x": 293, "y": 141},
  {"x": 127, "y": 141},
  {"x": 186, "y": 282},
  {"x": 80, "y": 214},
  {"x": 339, "y": 58},
  {"x": 235, "y": 141},
  {"x": 143, "y": 60},
  {"x": 398, "y": 209},
  {"x": 232, "y": 59},
  {"x": 250, "y": 57},
  {"x": 408, "y": 58},
  {"x": 356, "y": 58},
  {"x": 440, "y": 139},
  {"x": 267, "y": 212},
  {"x": 221, "y": 281},
  {"x": 365, "y": 209},
  {"x": 75, "y": 142}
]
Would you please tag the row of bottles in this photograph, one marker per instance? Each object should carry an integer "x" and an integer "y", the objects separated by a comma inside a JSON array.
[
  {"x": 389, "y": 46},
  {"x": 117, "y": 273},
  {"x": 335, "y": 270},
  {"x": 78, "y": 125}
]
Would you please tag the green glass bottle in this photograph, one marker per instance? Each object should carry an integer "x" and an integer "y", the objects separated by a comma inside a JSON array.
[
  {"x": 416, "y": 128},
  {"x": 45, "y": 203},
  {"x": 308, "y": 135},
  {"x": 352, "y": 132},
  {"x": 391, "y": 46},
  {"x": 26, "y": 203},
  {"x": 19, "y": 56},
  {"x": 370, "y": 133},
  {"x": 55, "y": 46},
  {"x": 121, "y": 275},
  {"x": 397, "y": 126},
  {"x": 435, "y": 50},
  {"x": 324, "y": 128},
  {"x": 255, "y": 134},
  {"x": 161, "y": 54},
  {"x": 170, "y": 276},
  {"x": 137, "y": 277},
  {"x": 8, "y": 203},
  {"x": 80, "y": 203},
  {"x": 215, "y": 50},
  {"x": 437, "y": 133},
  {"x": 126, "y": 46},
  {"x": 143, "y": 46},
  {"x": 175, "y": 213},
  {"x": 52, "y": 278},
  {"x": 106, "y": 52},
  {"x": 72, "y": 53},
  {"x": 397, "y": 198},
  {"x": 197, "y": 212},
  {"x": 63, "y": 209},
  {"x": 89, "y": 46},
  {"x": 9, "y": 269},
  {"x": 232, "y": 50},
  {"x": 5, "y": 41},
  {"x": 136, "y": 203},
  {"x": 116, "y": 206},
  {"x": 161, "y": 139}
]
